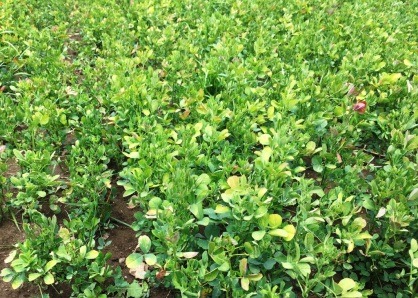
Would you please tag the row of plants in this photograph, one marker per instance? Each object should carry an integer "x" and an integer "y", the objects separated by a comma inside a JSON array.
[{"x": 270, "y": 147}]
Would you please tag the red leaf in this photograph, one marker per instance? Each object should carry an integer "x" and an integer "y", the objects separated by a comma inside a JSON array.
[{"x": 360, "y": 107}]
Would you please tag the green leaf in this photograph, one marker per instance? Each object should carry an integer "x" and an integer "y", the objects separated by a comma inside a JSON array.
[
  {"x": 41, "y": 194},
  {"x": 49, "y": 279},
  {"x": 224, "y": 267},
  {"x": 211, "y": 276},
  {"x": 269, "y": 264},
  {"x": 287, "y": 265},
  {"x": 203, "y": 179},
  {"x": 134, "y": 260},
  {"x": 304, "y": 268},
  {"x": 135, "y": 290},
  {"x": 258, "y": 235},
  {"x": 62, "y": 253},
  {"x": 261, "y": 211},
  {"x": 317, "y": 164},
  {"x": 204, "y": 222},
  {"x": 144, "y": 243},
  {"x": 154, "y": 203},
  {"x": 197, "y": 210}
]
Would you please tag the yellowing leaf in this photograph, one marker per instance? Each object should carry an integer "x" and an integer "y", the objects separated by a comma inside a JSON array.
[
  {"x": 92, "y": 254},
  {"x": 233, "y": 182},
  {"x": 255, "y": 277},
  {"x": 382, "y": 211},
  {"x": 258, "y": 235},
  {"x": 134, "y": 260},
  {"x": 221, "y": 209},
  {"x": 264, "y": 139},
  {"x": 414, "y": 245},
  {"x": 407, "y": 63},
  {"x": 49, "y": 279},
  {"x": 266, "y": 154},
  {"x": 243, "y": 266},
  {"x": 151, "y": 214},
  {"x": 261, "y": 192},
  {"x": 44, "y": 119},
  {"x": 354, "y": 294},
  {"x": 350, "y": 246},
  {"x": 291, "y": 230},
  {"x": 389, "y": 78},
  {"x": 18, "y": 281},
  {"x": 347, "y": 284},
  {"x": 279, "y": 233},
  {"x": 139, "y": 271},
  {"x": 359, "y": 223},
  {"x": 245, "y": 283},
  {"x": 189, "y": 254},
  {"x": 132, "y": 154},
  {"x": 33, "y": 276},
  {"x": 50, "y": 265},
  {"x": 275, "y": 220},
  {"x": 144, "y": 243},
  {"x": 310, "y": 147},
  {"x": 11, "y": 256},
  {"x": 364, "y": 235},
  {"x": 150, "y": 259}
]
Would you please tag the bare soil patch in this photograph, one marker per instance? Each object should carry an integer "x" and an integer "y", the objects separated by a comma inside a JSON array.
[{"x": 9, "y": 235}]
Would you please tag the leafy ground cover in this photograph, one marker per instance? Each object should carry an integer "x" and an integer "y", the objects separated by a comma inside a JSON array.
[{"x": 262, "y": 148}]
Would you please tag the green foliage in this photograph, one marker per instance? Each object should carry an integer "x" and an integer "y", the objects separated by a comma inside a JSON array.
[{"x": 271, "y": 146}]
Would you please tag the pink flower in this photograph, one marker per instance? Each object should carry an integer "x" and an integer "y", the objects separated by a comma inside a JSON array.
[{"x": 360, "y": 106}]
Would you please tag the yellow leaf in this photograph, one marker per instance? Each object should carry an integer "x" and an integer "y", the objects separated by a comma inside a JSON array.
[
  {"x": 291, "y": 230},
  {"x": 389, "y": 78},
  {"x": 264, "y": 139},
  {"x": 233, "y": 182},
  {"x": 275, "y": 220}
]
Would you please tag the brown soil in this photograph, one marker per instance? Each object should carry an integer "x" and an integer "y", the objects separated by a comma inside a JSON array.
[
  {"x": 123, "y": 243},
  {"x": 10, "y": 235},
  {"x": 123, "y": 238}
]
